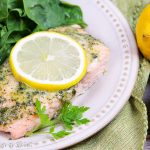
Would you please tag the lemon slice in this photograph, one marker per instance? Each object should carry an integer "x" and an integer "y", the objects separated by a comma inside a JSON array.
[{"x": 48, "y": 61}]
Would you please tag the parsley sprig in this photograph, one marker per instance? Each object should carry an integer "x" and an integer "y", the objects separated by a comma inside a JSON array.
[{"x": 69, "y": 116}]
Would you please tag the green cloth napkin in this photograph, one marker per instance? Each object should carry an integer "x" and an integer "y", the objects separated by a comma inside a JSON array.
[{"x": 128, "y": 130}]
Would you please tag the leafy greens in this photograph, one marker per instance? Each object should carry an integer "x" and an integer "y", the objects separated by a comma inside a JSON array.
[
  {"x": 69, "y": 116},
  {"x": 19, "y": 18}
]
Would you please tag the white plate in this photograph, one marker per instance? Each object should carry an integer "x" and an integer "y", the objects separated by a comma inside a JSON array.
[{"x": 107, "y": 97}]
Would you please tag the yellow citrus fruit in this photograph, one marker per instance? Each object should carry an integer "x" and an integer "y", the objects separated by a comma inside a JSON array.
[
  {"x": 48, "y": 61},
  {"x": 143, "y": 32}
]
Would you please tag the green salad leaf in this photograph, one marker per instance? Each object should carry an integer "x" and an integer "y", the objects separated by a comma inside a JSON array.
[
  {"x": 69, "y": 115},
  {"x": 13, "y": 4},
  {"x": 52, "y": 13},
  {"x": 19, "y": 18},
  {"x": 3, "y": 10},
  {"x": 73, "y": 14}
]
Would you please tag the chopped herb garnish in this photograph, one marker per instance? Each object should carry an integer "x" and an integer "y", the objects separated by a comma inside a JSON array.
[
  {"x": 60, "y": 134},
  {"x": 94, "y": 55},
  {"x": 69, "y": 116}
]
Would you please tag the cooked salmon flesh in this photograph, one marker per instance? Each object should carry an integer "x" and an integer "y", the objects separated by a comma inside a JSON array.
[{"x": 17, "y": 100}]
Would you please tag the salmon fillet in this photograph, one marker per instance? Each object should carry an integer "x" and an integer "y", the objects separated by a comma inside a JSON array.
[{"x": 17, "y": 100}]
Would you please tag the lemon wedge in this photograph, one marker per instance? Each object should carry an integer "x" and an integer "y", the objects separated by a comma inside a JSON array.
[
  {"x": 143, "y": 32},
  {"x": 48, "y": 61}
]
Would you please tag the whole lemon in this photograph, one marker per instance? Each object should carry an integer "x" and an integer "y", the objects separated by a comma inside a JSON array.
[{"x": 143, "y": 32}]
